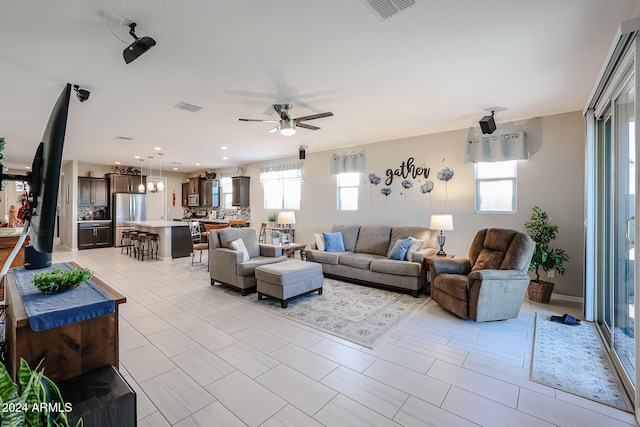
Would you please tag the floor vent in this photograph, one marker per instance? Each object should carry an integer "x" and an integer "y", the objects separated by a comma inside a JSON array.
[
  {"x": 188, "y": 107},
  {"x": 385, "y": 9}
]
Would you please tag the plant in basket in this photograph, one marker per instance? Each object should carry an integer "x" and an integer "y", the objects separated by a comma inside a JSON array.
[{"x": 542, "y": 232}]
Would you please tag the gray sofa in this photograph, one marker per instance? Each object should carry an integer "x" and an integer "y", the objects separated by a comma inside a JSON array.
[
  {"x": 365, "y": 257},
  {"x": 226, "y": 265}
]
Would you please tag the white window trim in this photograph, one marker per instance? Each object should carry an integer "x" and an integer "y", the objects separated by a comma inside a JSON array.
[
  {"x": 514, "y": 181},
  {"x": 339, "y": 187}
]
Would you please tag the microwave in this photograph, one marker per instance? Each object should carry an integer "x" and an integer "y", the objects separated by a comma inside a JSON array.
[{"x": 193, "y": 200}]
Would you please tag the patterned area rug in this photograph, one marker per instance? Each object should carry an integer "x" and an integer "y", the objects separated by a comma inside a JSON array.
[
  {"x": 360, "y": 314},
  {"x": 572, "y": 358}
]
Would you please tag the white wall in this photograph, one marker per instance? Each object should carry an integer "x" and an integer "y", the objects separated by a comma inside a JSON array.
[{"x": 553, "y": 178}]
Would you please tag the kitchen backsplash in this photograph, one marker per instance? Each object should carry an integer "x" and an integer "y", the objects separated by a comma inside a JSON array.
[
  {"x": 242, "y": 213},
  {"x": 91, "y": 213}
]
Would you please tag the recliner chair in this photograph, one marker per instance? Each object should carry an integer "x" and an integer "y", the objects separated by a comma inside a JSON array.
[{"x": 491, "y": 283}]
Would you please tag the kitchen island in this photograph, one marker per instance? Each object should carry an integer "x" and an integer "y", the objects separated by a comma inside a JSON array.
[{"x": 174, "y": 237}]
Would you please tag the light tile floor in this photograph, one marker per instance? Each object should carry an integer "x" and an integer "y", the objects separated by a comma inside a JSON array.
[{"x": 199, "y": 356}]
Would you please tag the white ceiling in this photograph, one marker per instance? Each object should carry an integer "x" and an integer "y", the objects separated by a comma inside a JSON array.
[{"x": 434, "y": 67}]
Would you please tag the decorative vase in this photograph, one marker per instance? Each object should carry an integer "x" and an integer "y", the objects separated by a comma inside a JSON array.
[
  {"x": 540, "y": 291},
  {"x": 273, "y": 224},
  {"x": 275, "y": 240}
]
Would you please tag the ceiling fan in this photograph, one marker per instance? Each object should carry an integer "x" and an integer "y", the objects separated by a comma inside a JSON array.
[{"x": 287, "y": 125}]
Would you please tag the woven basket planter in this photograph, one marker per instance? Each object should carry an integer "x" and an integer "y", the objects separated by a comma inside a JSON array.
[{"x": 540, "y": 291}]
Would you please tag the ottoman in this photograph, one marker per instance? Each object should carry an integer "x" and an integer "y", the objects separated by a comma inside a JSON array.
[{"x": 288, "y": 279}]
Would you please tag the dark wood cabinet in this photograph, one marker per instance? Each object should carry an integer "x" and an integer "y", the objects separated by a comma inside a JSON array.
[
  {"x": 240, "y": 187},
  {"x": 210, "y": 193},
  {"x": 126, "y": 183},
  {"x": 92, "y": 192},
  {"x": 94, "y": 235},
  {"x": 185, "y": 194},
  {"x": 194, "y": 185}
]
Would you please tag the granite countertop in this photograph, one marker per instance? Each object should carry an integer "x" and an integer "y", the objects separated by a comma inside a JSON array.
[
  {"x": 94, "y": 220},
  {"x": 157, "y": 223}
]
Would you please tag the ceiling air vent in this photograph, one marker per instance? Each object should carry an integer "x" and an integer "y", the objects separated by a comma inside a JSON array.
[
  {"x": 387, "y": 8},
  {"x": 188, "y": 107}
]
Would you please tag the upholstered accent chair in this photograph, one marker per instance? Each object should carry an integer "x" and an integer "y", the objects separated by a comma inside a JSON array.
[
  {"x": 491, "y": 283},
  {"x": 235, "y": 265}
]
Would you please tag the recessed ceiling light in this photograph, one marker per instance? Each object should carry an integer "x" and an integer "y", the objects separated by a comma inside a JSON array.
[
  {"x": 27, "y": 167},
  {"x": 136, "y": 157},
  {"x": 175, "y": 169},
  {"x": 225, "y": 158},
  {"x": 224, "y": 147},
  {"x": 157, "y": 148},
  {"x": 117, "y": 163},
  {"x": 197, "y": 164}
]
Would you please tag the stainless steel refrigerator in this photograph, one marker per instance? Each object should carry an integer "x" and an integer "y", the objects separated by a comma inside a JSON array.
[{"x": 127, "y": 207}]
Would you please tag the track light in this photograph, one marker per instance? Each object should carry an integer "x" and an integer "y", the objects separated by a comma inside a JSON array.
[
  {"x": 488, "y": 124},
  {"x": 82, "y": 94},
  {"x": 138, "y": 47}
]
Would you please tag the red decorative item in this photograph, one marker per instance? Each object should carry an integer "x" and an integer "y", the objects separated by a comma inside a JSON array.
[{"x": 173, "y": 198}]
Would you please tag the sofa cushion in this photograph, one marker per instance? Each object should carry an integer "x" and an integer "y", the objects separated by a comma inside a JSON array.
[
  {"x": 358, "y": 260},
  {"x": 324, "y": 257},
  {"x": 249, "y": 236},
  {"x": 399, "y": 249},
  {"x": 488, "y": 260},
  {"x": 248, "y": 268},
  {"x": 319, "y": 241},
  {"x": 399, "y": 268},
  {"x": 333, "y": 242},
  {"x": 452, "y": 284},
  {"x": 238, "y": 245},
  {"x": 349, "y": 235},
  {"x": 415, "y": 246},
  {"x": 373, "y": 239}
]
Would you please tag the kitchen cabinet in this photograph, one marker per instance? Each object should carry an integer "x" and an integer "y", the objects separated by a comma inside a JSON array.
[
  {"x": 194, "y": 185},
  {"x": 126, "y": 183},
  {"x": 94, "y": 235},
  {"x": 185, "y": 194},
  {"x": 240, "y": 191},
  {"x": 92, "y": 192},
  {"x": 210, "y": 193}
]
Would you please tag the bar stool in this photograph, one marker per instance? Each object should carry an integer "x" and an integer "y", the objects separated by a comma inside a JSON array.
[
  {"x": 133, "y": 243},
  {"x": 125, "y": 241},
  {"x": 140, "y": 246},
  {"x": 152, "y": 245}
]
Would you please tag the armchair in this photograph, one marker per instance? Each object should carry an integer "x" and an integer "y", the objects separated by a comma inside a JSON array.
[
  {"x": 491, "y": 283},
  {"x": 233, "y": 267}
]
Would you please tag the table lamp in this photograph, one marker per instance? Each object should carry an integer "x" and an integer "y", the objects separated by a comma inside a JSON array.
[
  {"x": 286, "y": 218},
  {"x": 442, "y": 222}
]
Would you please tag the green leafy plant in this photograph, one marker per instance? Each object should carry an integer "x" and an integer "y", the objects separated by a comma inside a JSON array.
[
  {"x": 34, "y": 401},
  {"x": 542, "y": 233},
  {"x": 275, "y": 234},
  {"x": 60, "y": 280},
  {"x": 272, "y": 217}
]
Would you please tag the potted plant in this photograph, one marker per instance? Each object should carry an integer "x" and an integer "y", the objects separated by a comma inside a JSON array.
[
  {"x": 542, "y": 233},
  {"x": 275, "y": 237},
  {"x": 272, "y": 218}
]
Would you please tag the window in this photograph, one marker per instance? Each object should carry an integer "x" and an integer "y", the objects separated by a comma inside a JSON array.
[
  {"x": 226, "y": 193},
  {"x": 281, "y": 186},
  {"x": 496, "y": 187},
  {"x": 348, "y": 184}
]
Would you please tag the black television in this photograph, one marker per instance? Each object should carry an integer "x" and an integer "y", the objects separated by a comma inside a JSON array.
[{"x": 44, "y": 180}]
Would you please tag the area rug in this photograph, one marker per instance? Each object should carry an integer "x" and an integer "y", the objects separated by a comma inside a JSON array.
[
  {"x": 357, "y": 313},
  {"x": 573, "y": 359}
]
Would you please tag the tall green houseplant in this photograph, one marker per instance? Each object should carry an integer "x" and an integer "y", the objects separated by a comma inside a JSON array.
[{"x": 542, "y": 232}]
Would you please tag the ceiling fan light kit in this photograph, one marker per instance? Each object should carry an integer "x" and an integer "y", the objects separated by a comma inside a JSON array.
[
  {"x": 287, "y": 125},
  {"x": 138, "y": 47}
]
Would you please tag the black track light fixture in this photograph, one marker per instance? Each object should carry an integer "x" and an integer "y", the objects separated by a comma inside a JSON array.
[
  {"x": 138, "y": 47},
  {"x": 82, "y": 94},
  {"x": 488, "y": 124}
]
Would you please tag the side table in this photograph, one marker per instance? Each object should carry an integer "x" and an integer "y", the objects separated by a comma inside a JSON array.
[
  {"x": 427, "y": 266},
  {"x": 290, "y": 250}
]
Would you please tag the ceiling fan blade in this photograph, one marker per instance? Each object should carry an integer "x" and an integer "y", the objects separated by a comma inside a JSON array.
[
  {"x": 258, "y": 120},
  {"x": 275, "y": 129},
  {"x": 306, "y": 126},
  {"x": 313, "y": 116}
]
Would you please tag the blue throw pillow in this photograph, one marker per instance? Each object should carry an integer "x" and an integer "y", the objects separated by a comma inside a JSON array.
[
  {"x": 399, "y": 249},
  {"x": 333, "y": 242}
]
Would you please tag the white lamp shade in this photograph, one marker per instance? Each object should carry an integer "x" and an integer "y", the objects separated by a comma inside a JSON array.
[
  {"x": 286, "y": 217},
  {"x": 441, "y": 222},
  {"x": 160, "y": 186},
  {"x": 287, "y": 127}
]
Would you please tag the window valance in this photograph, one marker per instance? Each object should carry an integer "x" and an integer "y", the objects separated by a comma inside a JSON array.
[
  {"x": 228, "y": 174},
  {"x": 281, "y": 172},
  {"x": 496, "y": 148},
  {"x": 347, "y": 163}
]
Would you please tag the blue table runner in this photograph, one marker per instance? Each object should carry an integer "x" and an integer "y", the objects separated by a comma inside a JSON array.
[{"x": 46, "y": 311}]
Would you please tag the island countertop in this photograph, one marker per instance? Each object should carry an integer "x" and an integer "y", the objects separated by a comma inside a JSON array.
[{"x": 156, "y": 224}]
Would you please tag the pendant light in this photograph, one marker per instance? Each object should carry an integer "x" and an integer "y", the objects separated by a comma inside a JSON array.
[
  {"x": 141, "y": 186},
  {"x": 160, "y": 185},
  {"x": 150, "y": 185}
]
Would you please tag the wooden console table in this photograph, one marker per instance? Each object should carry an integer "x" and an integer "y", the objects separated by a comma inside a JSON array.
[{"x": 69, "y": 350}]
